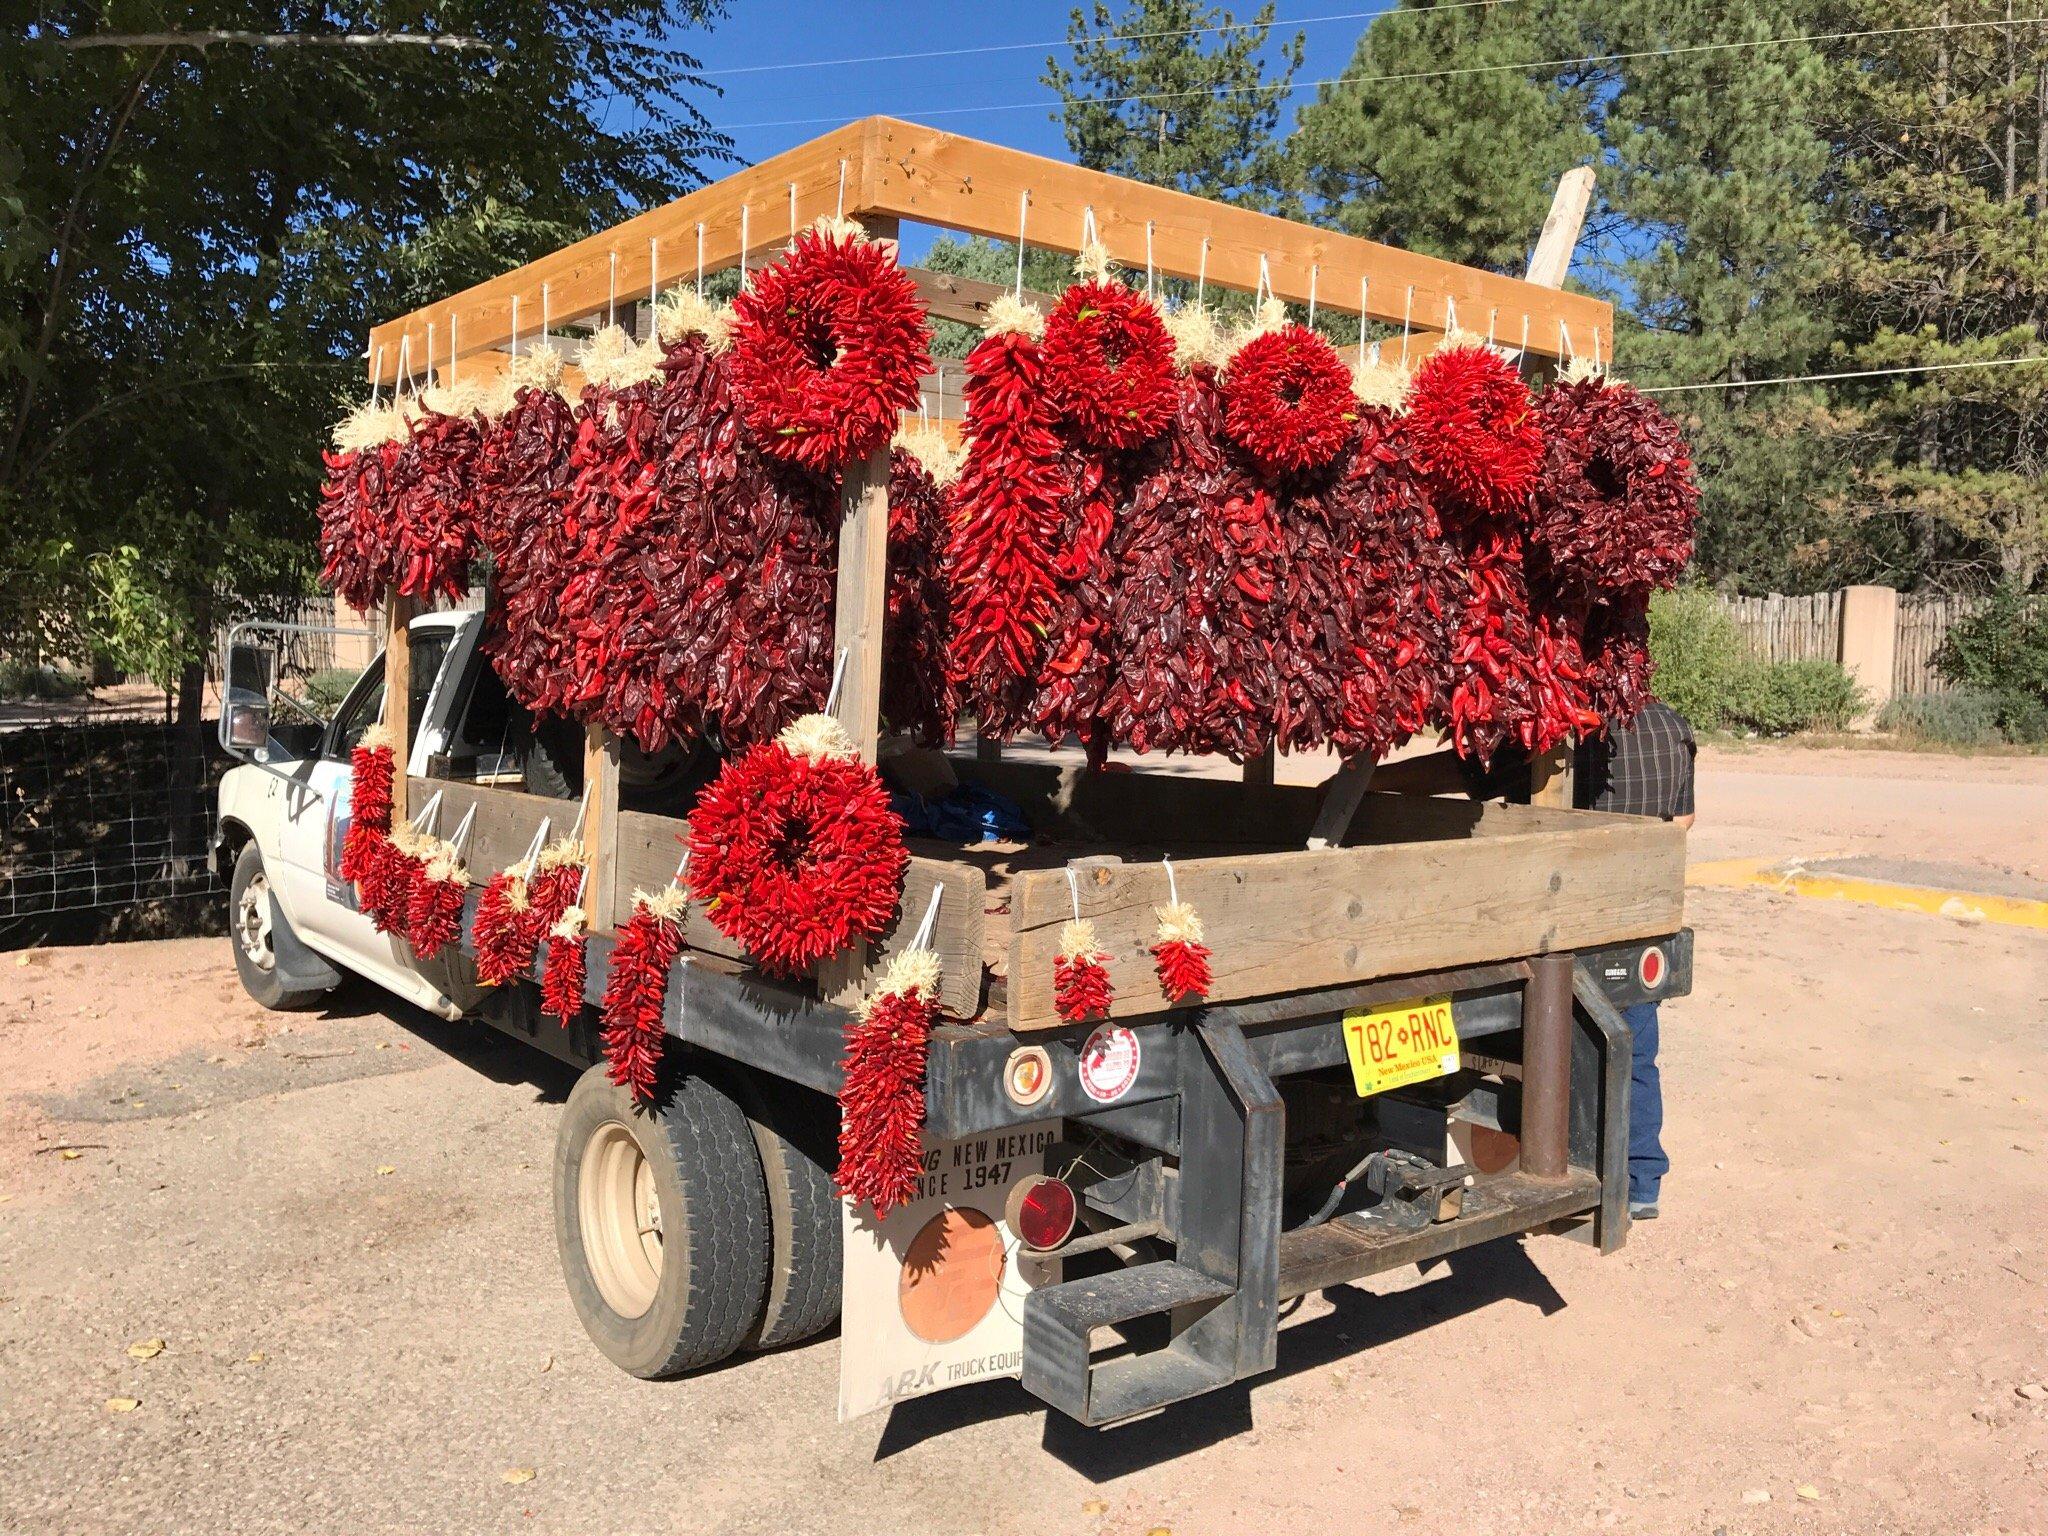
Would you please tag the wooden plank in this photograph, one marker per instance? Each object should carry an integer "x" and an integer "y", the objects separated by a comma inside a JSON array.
[
  {"x": 960, "y": 184},
  {"x": 1284, "y": 922},
  {"x": 398, "y": 617},
  {"x": 949, "y": 296},
  {"x": 1552, "y": 257},
  {"x": 895, "y": 169},
  {"x": 860, "y": 607},
  {"x": 649, "y": 845},
  {"x": 580, "y": 279},
  {"x": 607, "y": 905},
  {"x": 506, "y": 820}
]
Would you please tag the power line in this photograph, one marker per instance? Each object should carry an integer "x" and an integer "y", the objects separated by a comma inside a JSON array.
[
  {"x": 1107, "y": 37},
  {"x": 1675, "y": 51},
  {"x": 1829, "y": 378}
]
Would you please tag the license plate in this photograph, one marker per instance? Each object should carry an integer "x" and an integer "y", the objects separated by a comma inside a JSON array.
[{"x": 1406, "y": 1043}]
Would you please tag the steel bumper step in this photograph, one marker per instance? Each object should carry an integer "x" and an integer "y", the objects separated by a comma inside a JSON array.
[
  {"x": 1352, "y": 1247},
  {"x": 1059, "y": 1324}
]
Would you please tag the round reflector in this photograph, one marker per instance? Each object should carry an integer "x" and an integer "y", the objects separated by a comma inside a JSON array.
[
  {"x": 1651, "y": 968},
  {"x": 1028, "y": 1075},
  {"x": 1041, "y": 1211}
]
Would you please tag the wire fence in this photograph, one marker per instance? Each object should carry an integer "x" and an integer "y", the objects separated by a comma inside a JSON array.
[{"x": 101, "y": 812}]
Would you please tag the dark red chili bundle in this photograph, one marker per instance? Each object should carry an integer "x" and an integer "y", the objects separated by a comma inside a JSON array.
[
  {"x": 828, "y": 346},
  {"x": 433, "y": 516},
  {"x": 525, "y": 473},
  {"x": 1476, "y": 432},
  {"x": 1615, "y": 639},
  {"x": 359, "y": 554},
  {"x": 1005, "y": 531},
  {"x": 565, "y": 969},
  {"x": 795, "y": 848},
  {"x": 435, "y": 904},
  {"x": 1080, "y": 974},
  {"x": 1180, "y": 955},
  {"x": 1287, "y": 401},
  {"x": 918, "y": 693},
  {"x": 881, "y": 1097},
  {"x": 1615, "y": 508},
  {"x": 505, "y": 931},
  {"x": 1518, "y": 675},
  {"x": 372, "y": 776},
  {"x": 636, "y": 992},
  {"x": 1109, "y": 365}
]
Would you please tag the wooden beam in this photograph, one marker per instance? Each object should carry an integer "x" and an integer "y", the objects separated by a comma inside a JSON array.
[
  {"x": 580, "y": 279},
  {"x": 861, "y": 606},
  {"x": 601, "y": 827},
  {"x": 1550, "y": 774},
  {"x": 893, "y": 170},
  {"x": 949, "y": 296},
  {"x": 1286, "y": 922},
  {"x": 398, "y": 617},
  {"x": 960, "y": 184}
]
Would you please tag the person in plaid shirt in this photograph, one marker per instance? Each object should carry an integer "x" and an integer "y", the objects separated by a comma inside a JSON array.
[{"x": 1644, "y": 768}]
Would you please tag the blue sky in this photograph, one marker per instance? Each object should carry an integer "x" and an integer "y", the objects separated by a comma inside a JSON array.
[{"x": 780, "y": 33}]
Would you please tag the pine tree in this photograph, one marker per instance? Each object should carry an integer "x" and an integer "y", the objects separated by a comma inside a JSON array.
[
  {"x": 1941, "y": 140},
  {"x": 1460, "y": 165},
  {"x": 1158, "y": 94}
]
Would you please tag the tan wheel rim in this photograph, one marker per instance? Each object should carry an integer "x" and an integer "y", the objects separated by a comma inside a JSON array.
[{"x": 620, "y": 1214}]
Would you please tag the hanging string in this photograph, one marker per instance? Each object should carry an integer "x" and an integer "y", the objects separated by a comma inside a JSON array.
[
  {"x": 922, "y": 939},
  {"x": 1265, "y": 289},
  {"x": 1564, "y": 340},
  {"x": 1491, "y": 316},
  {"x": 376, "y": 374},
  {"x": 404, "y": 367},
  {"x": 681, "y": 864},
  {"x": 427, "y": 813},
  {"x": 700, "y": 261},
  {"x": 515, "y": 327},
  {"x": 1088, "y": 233},
  {"x": 1074, "y": 892},
  {"x": 543, "y": 314},
  {"x": 1363, "y": 283},
  {"x": 1148, "y": 258},
  {"x": 1450, "y": 314},
  {"x": 1523, "y": 350},
  {"x": 653, "y": 270},
  {"x": 792, "y": 213},
  {"x": 462, "y": 831},
  {"x": 839, "y": 209},
  {"x": 838, "y": 676},
  {"x": 1407, "y": 311},
  {"x": 1023, "y": 208},
  {"x": 611, "y": 297},
  {"x": 453, "y": 349},
  {"x": 744, "y": 214},
  {"x": 540, "y": 838},
  {"x": 582, "y": 810},
  {"x": 1314, "y": 270},
  {"x": 1596, "y": 346},
  {"x": 1202, "y": 273},
  {"x": 1172, "y": 887},
  {"x": 428, "y": 372}
]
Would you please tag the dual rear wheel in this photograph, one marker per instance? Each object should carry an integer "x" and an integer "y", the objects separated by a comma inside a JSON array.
[{"x": 700, "y": 1227}]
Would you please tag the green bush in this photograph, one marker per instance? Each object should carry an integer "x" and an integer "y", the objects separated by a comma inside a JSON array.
[
  {"x": 1698, "y": 653},
  {"x": 326, "y": 688},
  {"x": 1968, "y": 717},
  {"x": 2000, "y": 649},
  {"x": 2023, "y": 719},
  {"x": 1777, "y": 698}
]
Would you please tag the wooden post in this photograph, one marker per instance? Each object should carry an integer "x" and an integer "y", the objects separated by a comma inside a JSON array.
[
  {"x": 398, "y": 616},
  {"x": 601, "y": 826},
  {"x": 1258, "y": 771},
  {"x": 1550, "y": 775},
  {"x": 860, "y": 608},
  {"x": 1341, "y": 795}
]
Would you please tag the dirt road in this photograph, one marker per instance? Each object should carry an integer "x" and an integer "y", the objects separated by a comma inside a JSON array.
[{"x": 341, "y": 1235}]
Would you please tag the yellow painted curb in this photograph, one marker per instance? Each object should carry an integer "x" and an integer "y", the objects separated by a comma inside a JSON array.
[{"x": 1967, "y": 906}]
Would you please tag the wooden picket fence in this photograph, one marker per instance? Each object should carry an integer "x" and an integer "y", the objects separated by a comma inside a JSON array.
[
  {"x": 1782, "y": 628},
  {"x": 1798, "y": 628}
]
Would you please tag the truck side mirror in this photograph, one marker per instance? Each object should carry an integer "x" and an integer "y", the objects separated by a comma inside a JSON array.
[{"x": 245, "y": 727}]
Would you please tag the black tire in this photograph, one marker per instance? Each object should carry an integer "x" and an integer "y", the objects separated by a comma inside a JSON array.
[
  {"x": 712, "y": 1230},
  {"x": 263, "y": 942},
  {"x": 796, "y": 1132}
]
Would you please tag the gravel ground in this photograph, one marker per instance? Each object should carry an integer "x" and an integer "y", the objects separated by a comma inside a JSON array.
[{"x": 340, "y": 1231}]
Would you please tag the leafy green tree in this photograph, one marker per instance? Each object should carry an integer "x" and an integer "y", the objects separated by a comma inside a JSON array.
[
  {"x": 1150, "y": 95},
  {"x": 194, "y": 239}
]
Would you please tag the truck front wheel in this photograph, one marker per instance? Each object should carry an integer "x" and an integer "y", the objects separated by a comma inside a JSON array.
[
  {"x": 261, "y": 936},
  {"x": 661, "y": 1216}
]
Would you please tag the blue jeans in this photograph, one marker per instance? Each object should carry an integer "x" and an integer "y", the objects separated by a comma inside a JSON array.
[{"x": 1647, "y": 1163}]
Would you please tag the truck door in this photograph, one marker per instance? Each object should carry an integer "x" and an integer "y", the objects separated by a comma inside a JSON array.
[{"x": 322, "y": 905}]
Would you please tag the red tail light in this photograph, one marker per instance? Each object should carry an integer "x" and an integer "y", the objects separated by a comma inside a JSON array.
[{"x": 1041, "y": 1211}]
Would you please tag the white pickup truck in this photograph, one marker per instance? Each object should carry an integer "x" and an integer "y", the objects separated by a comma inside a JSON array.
[{"x": 1171, "y": 1174}]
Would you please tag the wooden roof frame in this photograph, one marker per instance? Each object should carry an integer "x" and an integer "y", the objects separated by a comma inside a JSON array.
[{"x": 880, "y": 169}]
